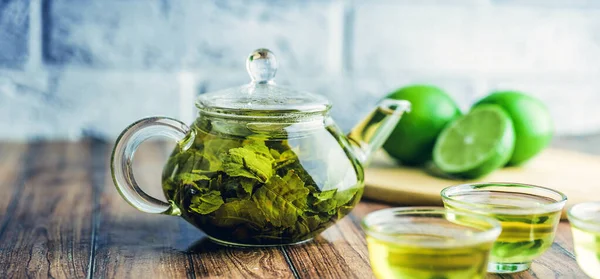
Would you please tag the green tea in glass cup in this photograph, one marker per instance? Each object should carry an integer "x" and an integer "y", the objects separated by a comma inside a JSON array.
[
  {"x": 529, "y": 216},
  {"x": 585, "y": 224},
  {"x": 429, "y": 242}
]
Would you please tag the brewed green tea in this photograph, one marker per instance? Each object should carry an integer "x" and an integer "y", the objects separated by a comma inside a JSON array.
[
  {"x": 525, "y": 235},
  {"x": 402, "y": 260},
  {"x": 587, "y": 250},
  {"x": 251, "y": 189}
]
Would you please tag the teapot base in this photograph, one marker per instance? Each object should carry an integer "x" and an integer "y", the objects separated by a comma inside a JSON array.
[{"x": 241, "y": 245}]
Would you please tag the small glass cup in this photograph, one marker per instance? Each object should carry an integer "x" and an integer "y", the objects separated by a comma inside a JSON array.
[
  {"x": 585, "y": 224},
  {"x": 429, "y": 242},
  {"x": 529, "y": 216}
]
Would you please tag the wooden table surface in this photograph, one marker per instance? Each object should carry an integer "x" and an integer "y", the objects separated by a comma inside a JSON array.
[{"x": 61, "y": 217}]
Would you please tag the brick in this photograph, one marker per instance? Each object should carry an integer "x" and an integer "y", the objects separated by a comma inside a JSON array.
[
  {"x": 105, "y": 103},
  {"x": 26, "y": 111},
  {"x": 79, "y": 103},
  {"x": 14, "y": 33},
  {"x": 475, "y": 40},
  {"x": 158, "y": 34}
]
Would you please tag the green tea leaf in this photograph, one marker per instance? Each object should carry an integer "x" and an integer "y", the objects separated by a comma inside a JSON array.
[
  {"x": 260, "y": 149},
  {"x": 312, "y": 224},
  {"x": 527, "y": 220},
  {"x": 170, "y": 188},
  {"x": 207, "y": 202},
  {"x": 315, "y": 222},
  {"x": 540, "y": 219},
  {"x": 275, "y": 154},
  {"x": 251, "y": 161},
  {"x": 324, "y": 196},
  {"x": 284, "y": 159},
  {"x": 345, "y": 196},
  {"x": 246, "y": 189},
  {"x": 308, "y": 175},
  {"x": 301, "y": 228},
  {"x": 282, "y": 200},
  {"x": 258, "y": 189},
  {"x": 204, "y": 172},
  {"x": 191, "y": 179},
  {"x": 343, "y": 210},
  {"x": 182, "y": 162},
  {"x": 239, "y": 212},
  {"x": 216, "y": 182},
  {"x": 172, "y": 166},
  {"x": 215, "y": 149},
  {"x": 169, "y": 184},
  {"x": 522, "y": 248},
  {"x": 237, "y": 187},
  {"x": 323, "y": 201}
]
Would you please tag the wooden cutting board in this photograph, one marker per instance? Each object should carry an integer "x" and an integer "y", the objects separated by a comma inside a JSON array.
[{"x": 575, "y": 174}]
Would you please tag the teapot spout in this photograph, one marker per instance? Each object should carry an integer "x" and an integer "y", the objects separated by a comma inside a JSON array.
[{"x": 371, "y": 133}]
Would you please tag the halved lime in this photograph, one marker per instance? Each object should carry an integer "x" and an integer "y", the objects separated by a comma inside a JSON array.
[
  {"x": 531, "y": 120},
  {"x": 475, "y": 144}
]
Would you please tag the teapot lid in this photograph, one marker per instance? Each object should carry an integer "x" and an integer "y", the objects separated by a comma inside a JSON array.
[{"x": 262, "y": 97}]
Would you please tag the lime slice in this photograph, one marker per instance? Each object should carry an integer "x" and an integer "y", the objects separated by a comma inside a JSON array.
[{"x": 475, "y": 144}]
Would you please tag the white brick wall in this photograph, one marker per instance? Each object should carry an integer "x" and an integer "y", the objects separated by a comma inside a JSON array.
[
  {"x": 87, "y": 102},
  {"x": 188, "y": 34},
  {"x": 550, "y": 50},
  {"x": 478, "y": 40},
  {"x": 93, "y": 67}
]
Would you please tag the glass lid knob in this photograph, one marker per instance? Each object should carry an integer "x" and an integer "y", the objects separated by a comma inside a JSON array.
[{"x": 262, "y": 66}]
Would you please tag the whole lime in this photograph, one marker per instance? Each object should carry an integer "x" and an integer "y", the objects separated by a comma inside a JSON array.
[
  {"x": 413, "y": 138},
  {"x": 531, "y": 120}
]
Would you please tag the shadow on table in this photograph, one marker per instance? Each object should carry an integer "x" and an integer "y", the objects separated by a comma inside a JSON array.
[
  {"x": 204, "y": 245},
  {"x": 168, "y": 233}
]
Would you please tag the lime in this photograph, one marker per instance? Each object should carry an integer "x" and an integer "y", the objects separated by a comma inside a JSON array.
[
  {"x": 413, "y": 138},
  {"x": 475, "y": 144},
  {"x": 531, "y": 120}
]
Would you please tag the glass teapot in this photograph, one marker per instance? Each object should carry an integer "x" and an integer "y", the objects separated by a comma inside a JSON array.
[{"x": 261, "y": 165}]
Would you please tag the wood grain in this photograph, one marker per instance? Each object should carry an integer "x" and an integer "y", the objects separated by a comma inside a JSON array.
[
  {"x": 61, "y": 217},
  {"x": 214, "y": 261},
  {"x": 132, "y": 244},
  {"x": 12, "y": 174},
  {"x": 558, "y": 169},
  {"x": 337, "y": 253},
  {"x": 48, "y": 230},
  {"x": 129, "y": 243}
]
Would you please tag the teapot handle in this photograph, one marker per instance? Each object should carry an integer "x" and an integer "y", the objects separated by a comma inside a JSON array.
[{"x": 122, "y": 160}]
